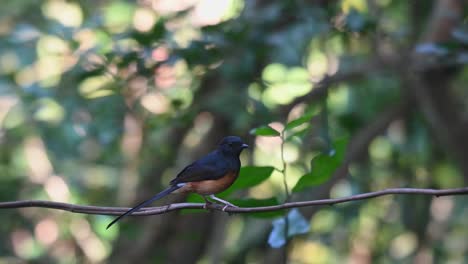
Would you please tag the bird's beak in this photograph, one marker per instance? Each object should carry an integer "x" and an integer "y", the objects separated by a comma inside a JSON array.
[{"x": 244, "y": 146}]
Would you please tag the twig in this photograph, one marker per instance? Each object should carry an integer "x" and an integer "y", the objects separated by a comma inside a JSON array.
[
  {"x": 283, "y": 169},
  {"x": 86, "y": 209}
]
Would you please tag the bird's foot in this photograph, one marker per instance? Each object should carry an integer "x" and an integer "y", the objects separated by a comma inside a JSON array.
[
  {"x": 226, "y": 205},
  {"x": 221, "y": 201},
  {"x": 207, "y": 205}
]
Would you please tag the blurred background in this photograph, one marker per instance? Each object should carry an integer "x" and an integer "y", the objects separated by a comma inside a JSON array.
[{"x": 103, "y": 102}]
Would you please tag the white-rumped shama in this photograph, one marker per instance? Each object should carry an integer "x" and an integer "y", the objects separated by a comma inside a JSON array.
[{"x": 207, "y": 176}]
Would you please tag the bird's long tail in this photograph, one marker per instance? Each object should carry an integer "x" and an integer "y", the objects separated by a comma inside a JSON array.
[{"x": 147, "y": 202}]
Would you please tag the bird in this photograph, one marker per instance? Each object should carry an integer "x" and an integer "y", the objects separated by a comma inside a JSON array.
[{"x": 207, "y": 176}]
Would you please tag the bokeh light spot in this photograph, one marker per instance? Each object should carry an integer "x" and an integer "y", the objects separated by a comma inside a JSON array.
[
  {"x": 118, "y": 16},
  {"x": 67, "y": 13},
  {"x": 57, "y": 189},
  {"x": 403, "y": 245},
  {"x": 144, "y": 19},
  {"x": 49, "y": 111},
  {"x": 46, "y": 232}
]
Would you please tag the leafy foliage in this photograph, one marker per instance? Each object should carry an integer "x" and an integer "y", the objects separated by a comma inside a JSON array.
[
  {"x": 299, "y": 121},
  {"x": 322, "y": 167},
  {"x": 101, "y": 102},
  {"x": 249, "y": 176},
  {"x": 265, "y": 131}
]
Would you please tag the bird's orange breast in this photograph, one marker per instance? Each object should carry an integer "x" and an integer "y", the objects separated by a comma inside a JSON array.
[{"x": 209, "y": 187}]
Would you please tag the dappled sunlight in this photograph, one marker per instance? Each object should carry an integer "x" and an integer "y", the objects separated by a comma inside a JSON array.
[
  {"x": 339, "y": 100},
  {"x": 54, "y": 58},
  {"x": 380, "y": 150},
  {"x": 86, "y": 39},
  {"x": 46, "y": 232},
  {"x": 397, "y": 132},
  {"x": 131, "y": 145},
  {"x": 155, "y": 102},
  {"x": 424, "y": 256},
  {"x": 26, "y": 76},
  {"x": 64, "y": 251},
  {"x": 234, "y": 232},
  {"x": 131, "y": 142},
  {"x": 137, "y": 87},
  {"x": 271, "y": 144},
  {"x": 324, "y": 221},
  {"x": 48, "y": 71},
  {"x": 38, "y": 162},
  {"x": 160, "y": 53},
  {"x": 364, "y": 234},
  {"x": 341, "y": 189},
  {"x": 269, "y": 188},
  {"x": 318, "y": 65},
  {"x": 92, "y": 86},
  {"x": 204, "y": 12},
  {"x": 67, "y": 13},
  {"x": 9, "y": 61},
  {"x": 91, "y": 245},
  {"x": 103, "y": 102},
  {"x": 49, "y": 110},
  {"x": 283, "y": 84},
  {"x": 57, "y": 189},
  {"x": 209, "y": 12},
  {"x": 24, "y": 244},
  {"x": 144, "y": 19},
  {"x": 441, "y": 208},
  {"x": 97, "y": 176},
  {"x": 360, "y": 253},
  {"x": 6, "y": 103},
  {"x": 403, "y": 245},
  {"x": 312, "y": 252},
  {"x": 360, "y": 5},
  {"x": 202, "y": 124},
  {"x": 170, "y": 6},
  {"x": 291, "y": 153},
  {"x": 296, "y": 112},
  {"x": 165, "y": 76},
  {"x": 199, "y": 13},
  {"x": 49, "y": 45},
  {"x": 118, "y": 16}
]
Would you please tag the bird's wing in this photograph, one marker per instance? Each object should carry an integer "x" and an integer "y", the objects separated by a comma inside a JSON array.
[{"x": 211, "y": 167}]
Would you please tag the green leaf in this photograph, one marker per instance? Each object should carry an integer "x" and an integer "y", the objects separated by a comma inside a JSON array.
[
  {"x": 258, "y": 203},
  {"x": 249, "y": 176},
  {"x": 322, "y": 167},
  {"x": 297, "y": 134},
  {"x": 265, "y": 131},
  {"x": 297, "y": 122},
  {"x": 297, "y": 224}
]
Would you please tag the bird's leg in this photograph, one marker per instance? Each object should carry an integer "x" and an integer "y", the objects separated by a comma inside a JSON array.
[
  {"x": 207, "y": 202},
  {"x": 226, "y": 203}
]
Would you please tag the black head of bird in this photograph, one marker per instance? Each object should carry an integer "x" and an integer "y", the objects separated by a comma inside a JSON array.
[{"x": 232, "y": 145}]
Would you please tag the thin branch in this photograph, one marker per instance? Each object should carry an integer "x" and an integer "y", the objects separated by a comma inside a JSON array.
[
  {"x": 283, "y": 169},
  {"x": 86, "y": 209}
]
